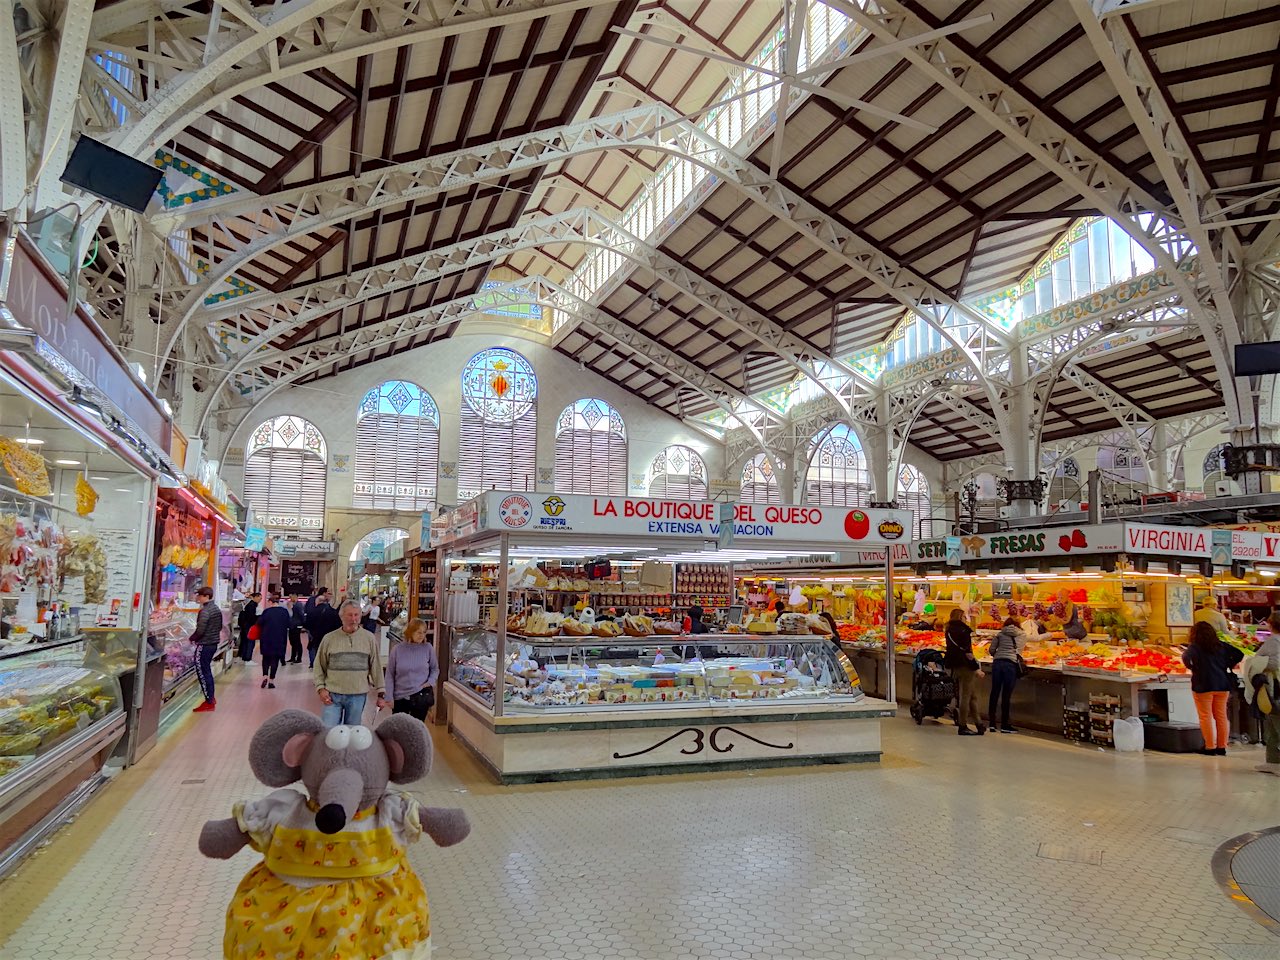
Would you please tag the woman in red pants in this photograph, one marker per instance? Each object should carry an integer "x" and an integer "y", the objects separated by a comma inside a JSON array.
[{"x": 1211, "y": 662}]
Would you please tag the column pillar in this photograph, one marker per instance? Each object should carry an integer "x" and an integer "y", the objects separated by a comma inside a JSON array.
[{"x": 1022, "y": 445}]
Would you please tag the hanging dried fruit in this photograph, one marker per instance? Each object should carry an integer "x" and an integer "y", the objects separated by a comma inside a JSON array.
[
  {"x": 26, "y": 468},
  {"x": 86, "y": 496}
]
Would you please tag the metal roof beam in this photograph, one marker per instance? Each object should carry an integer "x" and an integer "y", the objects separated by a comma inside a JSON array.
[
  {"x": 13, "y": 131},
  {"x": 1024, "y": 123},
  {"x": 314, "y": 357},
  {"x": 584, "y": 226}
]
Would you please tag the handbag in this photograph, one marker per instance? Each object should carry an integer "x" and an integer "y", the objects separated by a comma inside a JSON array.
[
  {"x": 254, "y": 632},
  {"x": 1022, "y": 666}
]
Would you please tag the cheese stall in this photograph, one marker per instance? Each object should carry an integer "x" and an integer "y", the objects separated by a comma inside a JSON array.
[{"x": 601, "y": 637}]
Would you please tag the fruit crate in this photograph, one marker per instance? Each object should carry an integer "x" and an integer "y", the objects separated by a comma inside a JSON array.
[{"x": 1075, "y": 724}]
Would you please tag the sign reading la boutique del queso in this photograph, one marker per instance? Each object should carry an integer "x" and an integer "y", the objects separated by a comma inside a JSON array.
[{"x": 807, "y": 525}]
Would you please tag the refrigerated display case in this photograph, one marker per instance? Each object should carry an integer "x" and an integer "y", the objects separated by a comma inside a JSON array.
[{"x": 535, "y": 699}]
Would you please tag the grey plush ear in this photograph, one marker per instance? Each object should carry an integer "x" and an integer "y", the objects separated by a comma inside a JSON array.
[
  {"x": 408, "y": 747},
  {"x": 277, "y": 749}
]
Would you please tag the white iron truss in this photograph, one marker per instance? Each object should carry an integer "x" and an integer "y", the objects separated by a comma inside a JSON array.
[{"x": 1025, "y": 124}]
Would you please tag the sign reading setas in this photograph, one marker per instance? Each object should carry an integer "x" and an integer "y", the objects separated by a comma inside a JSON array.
[{"x": 632, "y": 516}]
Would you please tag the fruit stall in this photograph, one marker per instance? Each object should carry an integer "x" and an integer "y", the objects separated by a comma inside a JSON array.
[
  {"x": 568, "y": 620},
  {"x": 1111, "y": 605}
]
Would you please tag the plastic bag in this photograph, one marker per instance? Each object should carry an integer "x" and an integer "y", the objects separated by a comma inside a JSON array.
[{"x": 1128, "y": 734}]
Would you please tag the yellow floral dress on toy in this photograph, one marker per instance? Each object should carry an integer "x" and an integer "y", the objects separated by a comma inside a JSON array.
[{"x": 316, "y": 896}]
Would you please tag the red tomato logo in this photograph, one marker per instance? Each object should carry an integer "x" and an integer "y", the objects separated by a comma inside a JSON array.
[{"x": 857, "y": 525}]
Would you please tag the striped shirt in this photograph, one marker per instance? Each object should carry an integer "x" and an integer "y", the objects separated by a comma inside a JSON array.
[{"x": 349, "y": 663}]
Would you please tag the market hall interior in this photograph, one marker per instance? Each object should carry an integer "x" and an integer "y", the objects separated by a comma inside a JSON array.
[{"x": 839, "y": 438}]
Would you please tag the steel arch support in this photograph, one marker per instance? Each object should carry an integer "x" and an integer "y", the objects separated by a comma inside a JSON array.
[
  {"x": 1025, "y": 125},
  {"x": 759, "y": 420},
  {"x": 55, "y": 142},
  {"x": 1221, "y": 259},
  {"x": 584, "y": 226},
  {"x": 13, "y": 132}
]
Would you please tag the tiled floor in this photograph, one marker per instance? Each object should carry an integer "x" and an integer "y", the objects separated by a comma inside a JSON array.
[{"x": 1000, "y": 847}]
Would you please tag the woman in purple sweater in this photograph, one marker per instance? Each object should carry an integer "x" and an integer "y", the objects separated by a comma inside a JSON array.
[{"x": 412, "y": 670}]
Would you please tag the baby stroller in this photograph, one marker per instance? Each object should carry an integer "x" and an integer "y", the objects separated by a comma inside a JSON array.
[{"x": 932, "y": 688}]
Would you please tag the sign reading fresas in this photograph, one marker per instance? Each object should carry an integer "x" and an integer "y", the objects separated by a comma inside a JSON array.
[
  {"x": 1045, "y": 542},
  {"x": 836, "y": 527}
]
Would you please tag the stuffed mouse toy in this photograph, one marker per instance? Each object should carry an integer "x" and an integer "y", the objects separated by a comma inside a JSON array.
[{"x": 334, "y": 882}]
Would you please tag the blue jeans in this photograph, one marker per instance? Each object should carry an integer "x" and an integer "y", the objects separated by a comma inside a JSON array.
[
  {"x": 346, "y": 709},
  {"x": 204, "y": 667}
]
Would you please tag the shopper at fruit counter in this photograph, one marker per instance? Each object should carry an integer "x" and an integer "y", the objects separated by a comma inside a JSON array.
[
  {"x": 412, "y": 671},
  {"x": 964, "y": 666},
  {"x": 273, "y": 638},
  {"x": 248, "y": 617},
  {"x": 1210, "y": 614},
  {"x": 1211, "y": 662},
  {"x": 348, "y": 664},
  {"x": 207, "y": 635},
  {"x": 297, "y": 623},
  {"x": 1005, "y": 649},
  {"x": 1262, "y": 689}
]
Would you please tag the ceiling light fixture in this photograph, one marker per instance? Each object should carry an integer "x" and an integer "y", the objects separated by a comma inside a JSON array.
[
  {"x": 30, "y": 441},
  {"x": 67, "y": 463}
]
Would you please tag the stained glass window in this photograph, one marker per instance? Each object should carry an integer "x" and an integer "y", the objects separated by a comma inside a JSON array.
[
  {"x": 913, "y": 495},
  {"x": 497, "y": 448},
  {"x": 397, "y": 448},
  {"x": 381, "y": 537},
  {"x": 591, "y": 449},
  {"x": 678, "y": 473},
  {"x": 759, "y": 482},
  {"x": 837, "y": 475},
  {"x": 499, "y": 385},
  {"x": 284, "y": 476},
  {"x": 1213, "y": 460}
]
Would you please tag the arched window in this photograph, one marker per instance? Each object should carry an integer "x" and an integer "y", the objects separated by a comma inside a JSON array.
[
  {"x": 678, "y": 473},
  {"x": 837, "y": 475},
  {"x": 1124, "y": 473},
  {"x": 591, "y": 449},
  {"x": 284, "y": 476},
  {"x": 913, "y": 495},
  {"x": 759, "y": 482},
  {"x": 1214, "y": 469},
  {"x": 988, "y": 501},
  {"x": 1064, "y": 481},
  {"x": 382, "y": 538},
  {"x": 498, "y": 445},
  {"x": 397, "y": 448}
]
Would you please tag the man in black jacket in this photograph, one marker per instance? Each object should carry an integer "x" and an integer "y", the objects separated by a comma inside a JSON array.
[
  {"x": 321, "y": 621},
  {"x": 207, "y": 635}
]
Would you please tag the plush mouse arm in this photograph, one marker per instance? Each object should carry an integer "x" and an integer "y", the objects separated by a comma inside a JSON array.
[
  {"x": 445, "y": 825},
  {"x": 222, "y": 839}
]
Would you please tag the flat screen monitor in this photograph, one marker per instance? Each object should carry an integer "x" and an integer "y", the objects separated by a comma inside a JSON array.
[
  {"x": 111, "y": 175},
  {"x": 735, "y": 614},
  {"x": 1257, "y": 359}
]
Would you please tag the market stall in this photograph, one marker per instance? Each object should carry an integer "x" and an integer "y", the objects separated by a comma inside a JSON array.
[
  {"x": 82, "y": 443},
  {"x": 551, "y": 680},
  {"x": 1110, "y": 606}
]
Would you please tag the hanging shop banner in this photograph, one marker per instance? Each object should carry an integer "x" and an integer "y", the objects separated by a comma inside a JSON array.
[
  {"x": 255, "y": 538},
  {"x": 633, "y": 516},
  {"x": 377, "y": 553},
  {"x": 875, "y": 556},
  {"x": 1045, "y": 542},
  {"x": 1161, "y": 541},
  {"x": 36, "y": 296},
  {"x": 293, "y": 548},
  {"x": 1223, "y": 541}
]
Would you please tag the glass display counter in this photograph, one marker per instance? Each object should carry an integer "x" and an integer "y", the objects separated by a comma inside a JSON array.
[
  {"x": 582, "y": 707},
  {"x": 168, "y": 637},
  {"x": 58, "y": 724},
  {"x": 567, "y": 673}
]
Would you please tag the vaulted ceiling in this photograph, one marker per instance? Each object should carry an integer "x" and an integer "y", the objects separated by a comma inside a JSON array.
[{"x": 943, "y": 190}]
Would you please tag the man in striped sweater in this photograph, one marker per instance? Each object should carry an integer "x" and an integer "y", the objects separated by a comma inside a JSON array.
[{"x": 347, "y": 665}]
